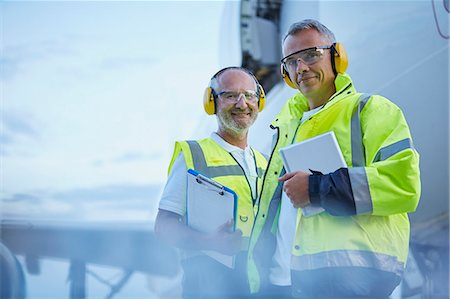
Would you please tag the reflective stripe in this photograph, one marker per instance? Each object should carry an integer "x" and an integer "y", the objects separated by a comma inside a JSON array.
[
  {"x": 245, "y": 243},
  {"x": 392, "y": 149},
  {"x": 199, "y": 161},
  {"x": 198, "y": 157},
  {"x": 348, "y": 258},
  {"x": 215, "y": 171},
  {"x": 272, "y": 211},
  {"x": 357, "y": 173},
  {"x": 260, "y": 172},
  {"x": 358, "y": 152},
  {"x": 360, "y": 189}
]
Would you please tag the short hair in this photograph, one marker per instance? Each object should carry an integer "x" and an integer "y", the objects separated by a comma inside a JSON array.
[
  {"x": 310, "y": 24},
  {"x": 214, "y": 82}
]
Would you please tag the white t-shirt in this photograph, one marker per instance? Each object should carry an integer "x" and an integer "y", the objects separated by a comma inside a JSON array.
[
  {"x": 280, "y": 271},
  {"x": 173, "y": 198}
]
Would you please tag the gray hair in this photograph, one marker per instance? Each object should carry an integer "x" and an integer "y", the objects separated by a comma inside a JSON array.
[{"x": 310, "y": 24}]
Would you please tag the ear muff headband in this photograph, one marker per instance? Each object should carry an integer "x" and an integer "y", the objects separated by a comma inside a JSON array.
[
  {"x": 339, "y": 62},
  {"x": 209, "y": 97}
]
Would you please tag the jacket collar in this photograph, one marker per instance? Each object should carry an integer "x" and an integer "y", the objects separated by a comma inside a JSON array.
[{"x": 295, "y": 106}]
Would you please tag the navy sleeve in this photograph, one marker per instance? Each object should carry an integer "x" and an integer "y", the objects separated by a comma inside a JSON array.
[{"x": 333, "y": 192}]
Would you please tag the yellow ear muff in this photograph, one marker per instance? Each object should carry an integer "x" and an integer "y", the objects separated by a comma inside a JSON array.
[
  {"x": 262, "y": 98},
  {"x": 208, "y": 101},
  {"x": 286, "y": 78},
  {"x": 340, "y": 58}
]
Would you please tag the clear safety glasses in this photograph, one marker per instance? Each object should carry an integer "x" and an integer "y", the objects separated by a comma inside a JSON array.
[
  {"x": 307, "y": 56},
  {"x": 250, "y": 96}
]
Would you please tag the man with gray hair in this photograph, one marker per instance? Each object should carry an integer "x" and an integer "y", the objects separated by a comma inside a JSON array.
[
  {"x": 343, "y": 234},
  {"x": 235, "y": 97}
]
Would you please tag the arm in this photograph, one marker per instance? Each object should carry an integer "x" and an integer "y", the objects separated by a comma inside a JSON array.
[
  {"x": 170, "y": 227},
  {"x": 330, "y": 191},
  {"x": 169, "y": 224},
  {"x": 390, "y": 181},
  {"x": 388, "y": 184}
]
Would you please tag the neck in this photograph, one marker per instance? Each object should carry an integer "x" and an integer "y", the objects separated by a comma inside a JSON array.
[
  {"x": 321, "y": 97},
  {"x": 239, "y": 140}
]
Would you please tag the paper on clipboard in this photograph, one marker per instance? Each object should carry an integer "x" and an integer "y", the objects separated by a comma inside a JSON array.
[{"x": 208, "y": 206}]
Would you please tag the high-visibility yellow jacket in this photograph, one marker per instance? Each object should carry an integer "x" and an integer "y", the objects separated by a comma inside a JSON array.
[
  {"x": 381, "y": 185},
  {"x": 210, "y": 159}
]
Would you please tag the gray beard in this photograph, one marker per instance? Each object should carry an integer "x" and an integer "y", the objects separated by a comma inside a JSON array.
[{"x": 232, "y": 128}]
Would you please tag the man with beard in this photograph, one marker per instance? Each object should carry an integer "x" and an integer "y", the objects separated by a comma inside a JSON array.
[{"x": 235, "y": 97}]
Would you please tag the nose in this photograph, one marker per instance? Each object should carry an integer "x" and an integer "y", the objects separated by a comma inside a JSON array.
[
  {"x": 241, "y": 101},
  {"x": 301, "y": 66}
]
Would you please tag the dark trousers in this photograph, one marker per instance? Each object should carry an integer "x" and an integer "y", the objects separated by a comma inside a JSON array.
[
  {"x": 343, "y": 282},
  {"x": 205, "y": 278}
]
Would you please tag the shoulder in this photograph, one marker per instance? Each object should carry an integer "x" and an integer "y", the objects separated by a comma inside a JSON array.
[
  {"x": 293, "y": 108},
  {"x": 379, "y": 104}
]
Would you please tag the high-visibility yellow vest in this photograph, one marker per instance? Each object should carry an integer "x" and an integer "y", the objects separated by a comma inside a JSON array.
[
  {"x": 384, "y": 174},
  {"x": 210, "y": 159}
]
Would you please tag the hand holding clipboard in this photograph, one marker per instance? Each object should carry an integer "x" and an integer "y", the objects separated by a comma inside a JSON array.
[{"x": 209, "y": 208}]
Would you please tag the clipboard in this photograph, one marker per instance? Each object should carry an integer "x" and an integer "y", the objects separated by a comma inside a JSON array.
[{"x": 209, "y": 205}]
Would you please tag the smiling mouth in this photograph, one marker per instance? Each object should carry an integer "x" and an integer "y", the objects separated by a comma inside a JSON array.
[
  {"x": 306, "y": 79},
  {"x": 240, "y": 113}
]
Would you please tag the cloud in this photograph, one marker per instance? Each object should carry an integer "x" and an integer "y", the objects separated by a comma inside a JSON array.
[
  {"x": 23, "y": 197},
  {"x": 9, "y": 67},
  {"x": 128, "y": 158},
  {"x": 110, "y": 193},
  {"x": 120, "y": 202},
  {"x": 13, "y": 57},
  {"x": 5, "y": 139},
  {"x": 18, "y": 124},
  {"x": 135, "y": 156},
  {"x": 16, "y": 127}
]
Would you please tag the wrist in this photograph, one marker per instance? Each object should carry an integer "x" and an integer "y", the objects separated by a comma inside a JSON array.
[{"x": 314, "y": 189}]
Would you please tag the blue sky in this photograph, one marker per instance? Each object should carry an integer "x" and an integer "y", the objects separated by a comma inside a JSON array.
[{"x": 94, "y": 95}]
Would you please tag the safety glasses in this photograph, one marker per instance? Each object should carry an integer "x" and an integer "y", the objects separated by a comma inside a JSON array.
[
  {"x": 307, "y": 56},
  {"x": 250, "y": 96}
]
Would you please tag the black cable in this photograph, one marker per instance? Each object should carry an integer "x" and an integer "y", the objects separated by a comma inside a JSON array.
[{"x": 436, "y": 19}]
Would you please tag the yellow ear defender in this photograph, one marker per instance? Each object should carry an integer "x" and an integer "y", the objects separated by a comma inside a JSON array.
[
  {"x": 209, "y": 97},
  {"x": 209, "y": 102},
  {"x": 339, "y": 58},
  {"x": 339, "y": 62},
  {"x": 285, "y": 75}
]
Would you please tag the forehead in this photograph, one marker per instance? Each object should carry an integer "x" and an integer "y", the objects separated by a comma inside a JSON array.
[
  {"x": 302, "y": 40},
  {"x": 235, "y": 79}
]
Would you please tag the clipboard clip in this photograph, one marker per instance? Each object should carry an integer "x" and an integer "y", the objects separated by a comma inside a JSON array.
[{"x": 207, "y": 181}]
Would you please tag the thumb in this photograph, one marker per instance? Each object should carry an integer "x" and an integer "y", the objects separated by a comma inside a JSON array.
[
  {"x": 286, "y": 177},
  {"x": 226, "y": 227},
  {"x": 238, "y": 232}
]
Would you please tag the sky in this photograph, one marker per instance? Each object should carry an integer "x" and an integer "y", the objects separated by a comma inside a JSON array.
[{"x": 93, "y": 96}]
